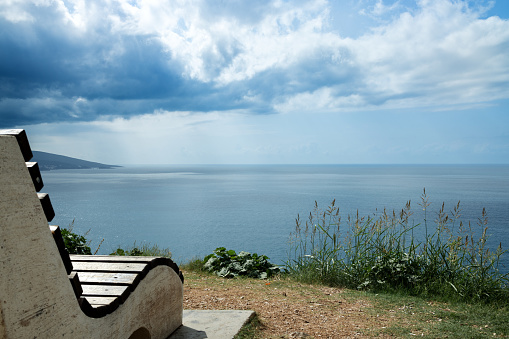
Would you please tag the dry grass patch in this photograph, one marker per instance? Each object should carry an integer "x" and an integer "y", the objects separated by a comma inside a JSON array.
[{"x": 288, "y": 309}]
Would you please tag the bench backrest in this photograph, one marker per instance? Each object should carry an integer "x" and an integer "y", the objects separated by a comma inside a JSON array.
[{"x": 30, "y": 264}]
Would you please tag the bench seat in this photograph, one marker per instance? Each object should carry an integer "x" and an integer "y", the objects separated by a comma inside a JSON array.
[{"x": 107, "y": 280}]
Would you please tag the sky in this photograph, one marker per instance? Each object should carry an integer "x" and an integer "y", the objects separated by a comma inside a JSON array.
[{"x": 259, "y": 82}]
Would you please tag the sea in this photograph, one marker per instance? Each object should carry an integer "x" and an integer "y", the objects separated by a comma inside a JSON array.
[{"x": 193, "y": 209}]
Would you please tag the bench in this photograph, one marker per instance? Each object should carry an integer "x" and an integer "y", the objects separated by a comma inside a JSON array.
[{"x": 47, "y": 293}]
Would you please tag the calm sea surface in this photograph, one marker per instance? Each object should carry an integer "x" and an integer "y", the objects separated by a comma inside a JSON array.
[{"x": 194, "y": 209}]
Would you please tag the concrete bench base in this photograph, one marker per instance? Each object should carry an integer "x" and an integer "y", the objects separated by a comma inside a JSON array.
[{"x": 199, "y": 324}]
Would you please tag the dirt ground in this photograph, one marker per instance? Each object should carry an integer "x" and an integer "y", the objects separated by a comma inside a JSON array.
[{"x": 286, "y": 309}]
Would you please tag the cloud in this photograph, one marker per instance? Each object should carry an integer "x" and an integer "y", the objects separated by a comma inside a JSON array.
[
  {"x": 159, "y": 137},
  {"x": 443, "y": 54},
  {"x": 77, "y": 61},
  {"x": 380, "y": 9},
  {"x": 238, "y": 137}
]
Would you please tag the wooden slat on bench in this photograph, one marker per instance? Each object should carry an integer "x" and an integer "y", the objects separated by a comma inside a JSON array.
[
  {"x": 105, "y": 291},
  {"x": 100, "y": 301},
  {"x": 110, "y": 258},
  {"x": 46, "y": 206},
  {"x": 91, "y": 266},
  {"x": 110, "y": 278},
  {"x": 35, "y": 174}
]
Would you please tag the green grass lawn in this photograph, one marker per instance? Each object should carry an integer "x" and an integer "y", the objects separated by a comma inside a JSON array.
[{"x": 440, "y": 319}]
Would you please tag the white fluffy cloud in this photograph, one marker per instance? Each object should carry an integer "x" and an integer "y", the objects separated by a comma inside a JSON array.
[
  {"x": 438, "y": 53},
  {"x": 442, "y": 54}
]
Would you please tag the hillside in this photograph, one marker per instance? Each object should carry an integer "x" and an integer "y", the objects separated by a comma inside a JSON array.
[{"x": 49, "y": 161}]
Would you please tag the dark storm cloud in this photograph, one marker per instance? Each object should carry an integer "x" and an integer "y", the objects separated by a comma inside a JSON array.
[{"x": 49, "y": 72}]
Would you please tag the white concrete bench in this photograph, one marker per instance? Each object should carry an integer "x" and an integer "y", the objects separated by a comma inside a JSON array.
[{"x": 45, "y": 293}]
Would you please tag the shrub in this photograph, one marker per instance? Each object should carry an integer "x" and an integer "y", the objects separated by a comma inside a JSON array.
[
  {"x": 397, "y": 269},
  {"x": 75, "y": 243},
  {"x": 229, "y": 264}
]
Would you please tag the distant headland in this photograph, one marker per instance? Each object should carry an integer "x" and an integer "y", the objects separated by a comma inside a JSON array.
[{"x": 50, "y": 161}]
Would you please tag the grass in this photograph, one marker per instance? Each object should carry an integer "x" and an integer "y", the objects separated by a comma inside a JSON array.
[
  {"x": 383, "y": 314},
  {"x": 250, "y": 330},
  {"x": 418, "y": 316},
  {"x": 384, "y": 253},
  {"x": 144, "y": 249}
]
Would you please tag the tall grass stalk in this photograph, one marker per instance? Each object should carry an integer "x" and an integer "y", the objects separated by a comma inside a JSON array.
[
  {"x": 143, "y": 249},
  {"x": 385, "y": 252}
]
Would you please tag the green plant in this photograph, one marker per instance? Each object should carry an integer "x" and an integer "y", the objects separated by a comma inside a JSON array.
[
  {"x": 195, "y": 265},
  {"x": 382, "y": 253},
  {"x": 145, "y": 249},
  {"x": 398, "y": 269},
  {"x": 229, "y": 264},
  {"x": 75, "y": 243}
]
